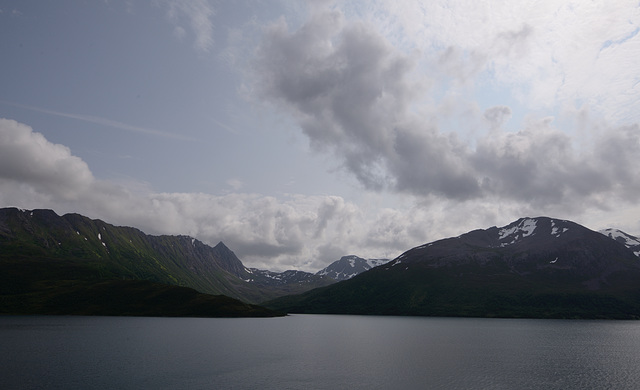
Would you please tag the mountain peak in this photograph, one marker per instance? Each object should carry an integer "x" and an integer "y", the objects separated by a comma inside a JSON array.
[
  {"x": 349, "y": 266},
  {"x": 519, "y": 229},
  {"x": 523, "y": 228},
  {"x": 518, "y": 241},
  {"x": 222, "y": 247},
  {"x": 228, "y": 260}
]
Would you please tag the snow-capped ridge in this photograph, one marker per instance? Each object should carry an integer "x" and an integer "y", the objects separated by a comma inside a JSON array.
[
  {"x": 516, "y": 231},
  {"x": 524, "y": 228},
  {"x": 631, "y": 242},
  {"x": 349, "y": 266}
]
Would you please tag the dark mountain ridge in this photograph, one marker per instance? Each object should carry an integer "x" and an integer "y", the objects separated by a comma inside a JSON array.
[
  {"x": 530, "y": 245},
  {"x": 533, "y": 267},
  {"x": 112, "y": 252}
]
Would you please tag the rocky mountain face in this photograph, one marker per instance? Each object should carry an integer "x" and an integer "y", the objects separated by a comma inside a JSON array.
[
  {"x": 105, "y": 251},
  {"x": 533, "y": 267},
  {"x": 349, "y": 266}
]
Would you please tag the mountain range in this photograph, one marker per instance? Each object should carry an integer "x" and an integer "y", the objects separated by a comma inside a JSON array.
[
  {"x": 533, "y": 267},
  {"x": 78, "y": 249}
]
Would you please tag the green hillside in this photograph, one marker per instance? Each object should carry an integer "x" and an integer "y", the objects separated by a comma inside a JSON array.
[
  {"x": 43, "y": 254},
  {"x": 29, "y": 286}
]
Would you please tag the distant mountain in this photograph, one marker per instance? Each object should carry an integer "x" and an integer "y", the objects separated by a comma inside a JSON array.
[
  {"x": 258, "y": 284},
  {"x": 533, "y": 267},
  {"x": 631, "y": 242},
  {"x": 97, "y": 251},
  {"x": 349, "y": 266}
]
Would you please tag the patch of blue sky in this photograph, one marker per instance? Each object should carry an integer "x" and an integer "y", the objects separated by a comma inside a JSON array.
[{"x": 622, "y": 40}]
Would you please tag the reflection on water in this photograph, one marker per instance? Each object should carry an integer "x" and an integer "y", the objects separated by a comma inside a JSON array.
[{"x": 317, "y": 352}]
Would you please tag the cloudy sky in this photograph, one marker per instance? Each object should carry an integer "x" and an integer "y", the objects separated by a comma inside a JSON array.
[{"x": 298, "y": 132}]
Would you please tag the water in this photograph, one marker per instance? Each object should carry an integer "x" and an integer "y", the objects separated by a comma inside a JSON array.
[{"x": 317, "y": 352}]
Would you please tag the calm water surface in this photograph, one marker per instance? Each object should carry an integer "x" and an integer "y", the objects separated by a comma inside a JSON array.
[{"x": 317, "y": 352}]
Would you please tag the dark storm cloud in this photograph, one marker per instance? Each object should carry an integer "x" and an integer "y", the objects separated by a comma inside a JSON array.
[{"x": 352, "y": 94}]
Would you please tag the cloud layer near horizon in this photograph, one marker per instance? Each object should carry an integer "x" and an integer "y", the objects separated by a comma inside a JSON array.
[{"x": 297, "y": 231}]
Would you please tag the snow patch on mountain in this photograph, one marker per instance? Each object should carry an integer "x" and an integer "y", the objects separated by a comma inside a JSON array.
[
  {"x": 525, "y": 228},
  {"x": 557, "y": 231},
  {"x": 621, "y": 236},
  {"x": 272, "y": 278},
  {"x": 631, "y": 242}
]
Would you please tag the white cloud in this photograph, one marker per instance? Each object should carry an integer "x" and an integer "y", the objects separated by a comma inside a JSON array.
[
  {"x": 235, "y": 184},
  {"x": 352, "y": 95},
  {"x": 28, "y": 158},
  {"x": 198, "y": 14},
  {"x": 497, "y": 116},
  {"x": 552, "y": 53}
]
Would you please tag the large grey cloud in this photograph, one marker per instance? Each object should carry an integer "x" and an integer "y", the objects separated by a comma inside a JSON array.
[
  {"x": 355, "y": 96},
  {"x": 352, "y": 95}
]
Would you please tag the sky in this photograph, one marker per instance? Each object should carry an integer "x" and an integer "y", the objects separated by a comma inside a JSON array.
[{"x": 299, "y": 132}]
